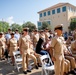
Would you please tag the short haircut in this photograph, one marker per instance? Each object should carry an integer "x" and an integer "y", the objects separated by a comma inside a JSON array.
[{"x": 25, "y": 29}]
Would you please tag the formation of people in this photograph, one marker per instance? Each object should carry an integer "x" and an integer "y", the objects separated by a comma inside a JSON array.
[{"x": 60, "y": 46}]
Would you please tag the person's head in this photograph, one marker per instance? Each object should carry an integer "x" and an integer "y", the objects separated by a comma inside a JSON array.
[
  {"x": 69, "y": 37},
  {"x": 58, "y": 29},
  {"x": 16, "y": 30},
  {"x": 75, "y": 29},
  {"x": 9, "y": 30},
  {"x": 12, "y": 34},
  {"x": 46, "y": 30},
  {"x": 35, "y": 31},
  {"x": 25, "y": 31},
  {"x": 1, "y": 34},
  {"x": 41, "y": 32},
  {"x": 50, "y": 31}
]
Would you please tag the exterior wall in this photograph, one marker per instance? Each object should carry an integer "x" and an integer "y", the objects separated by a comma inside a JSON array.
[
  {"x": 70, "y": 13},
  {"x": 59, "y": 18}
]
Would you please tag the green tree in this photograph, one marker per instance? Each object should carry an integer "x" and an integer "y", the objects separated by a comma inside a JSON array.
[
  {"x": 30, "y": 25},
  {"x": 45, "y": 25},
  {"x": 16, "y": 26},
  {"x": 4, "y": 26},
  {"x": 72, "y": 25}
]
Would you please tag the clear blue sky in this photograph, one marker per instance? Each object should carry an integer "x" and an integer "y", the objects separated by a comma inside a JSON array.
[{"x": 20, "y": 11}]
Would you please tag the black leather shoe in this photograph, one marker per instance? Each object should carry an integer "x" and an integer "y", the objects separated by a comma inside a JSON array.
[
  {"x": 25, "y": 72},
  {"x": 75, "y": 69},
  {"x": 72, "y": 72},
  {"x": 69, "y": 73},
  {"x": 65, "y": 73},
  {"x": 28, "y": 70},
  {"x": 39, "y": 65},
  {"x": 36, "y": 67}
]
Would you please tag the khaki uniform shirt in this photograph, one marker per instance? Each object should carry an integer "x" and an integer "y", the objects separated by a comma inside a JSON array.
[
  {"x": 1, "y": 43},
  {"x": 24, "y": 42},
  {"x": 4, "y": 43},
  {"x": 12, "y": 45},
  {"x": 58, "y": 44},
  {"x": 35, "y": 39},
  {"x": 73, "y": 47},
  {"x": 47, "y": 35},
  {"x": 74, "y": 35},
  {"x": 68, "y": 42}
]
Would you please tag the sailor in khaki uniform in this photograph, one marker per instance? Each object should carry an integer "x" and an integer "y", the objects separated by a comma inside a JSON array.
[
  {"x": 1, "y": 45},
  {"x": 42, "y": 35},
  {"x": 12, "y": 46},
  {"x": 47, "y": 34},
  {"x": 69, "y": 57},
  {"x": 72, "y": 64},
  {"x": 24, "y": 49},
  {"x": 35, "y": 38},
  {"x": 34, "y": 56},
  {"x": 66, "y": 66},
  {"x": 74, "y": 34},
  {"x": 57, "y": 51},
  {"x": 69, "y": 40},
  {"x": 73, "y": 47},
  {"x": 4, "y": 43}
]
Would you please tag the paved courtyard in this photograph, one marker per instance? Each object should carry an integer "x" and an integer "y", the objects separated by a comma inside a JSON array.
[{"x": 8, "y": 69}]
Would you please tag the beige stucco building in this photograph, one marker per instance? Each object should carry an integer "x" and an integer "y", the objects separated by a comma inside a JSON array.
[{"x": 60, "y": 13}]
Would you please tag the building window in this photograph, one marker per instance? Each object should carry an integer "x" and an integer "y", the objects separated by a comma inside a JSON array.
[
  {"x": 73, "y": 10},
  {"x": 69, "y": 8},
  {"x": 58, "y": 10},
  {"x": 40, "y": 14},
  {"x": 53, "y": 11},
  {"x": 48, "y": 12},
  {"x": 44, "y": 13},
  {"x": 39, "y": 24},
  {"x": 64, "y": 9},
  {"x": 48, "y": 22}
]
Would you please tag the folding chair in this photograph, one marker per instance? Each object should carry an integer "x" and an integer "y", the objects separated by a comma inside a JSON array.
[
  {"x": 18, "y": 60},
  {"x": 46, "y": 65}
]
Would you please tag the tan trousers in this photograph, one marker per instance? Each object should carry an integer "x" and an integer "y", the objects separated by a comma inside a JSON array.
[
  {"x": 66, "y": 66},
  {"x": 72, "y": 62},
  {"x": 74, "y": 56},
  {"x": 34, "y": 43},
  {"x": 35, "y": 57},
  {"x": 59, "y": 65},
  {"x": 25, "y": 61},
  {"x": 0, "y": 52}
]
